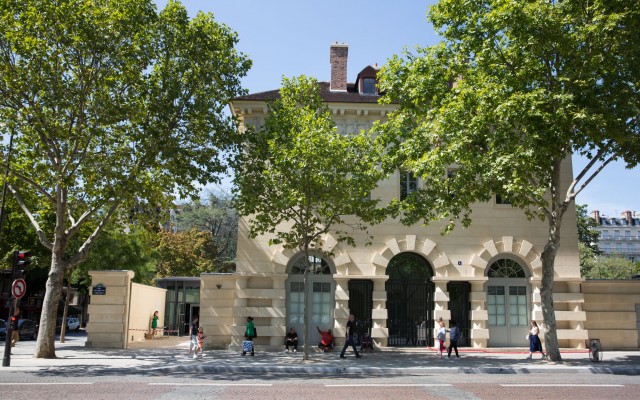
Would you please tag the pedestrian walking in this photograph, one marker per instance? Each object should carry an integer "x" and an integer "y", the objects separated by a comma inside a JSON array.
[
  {"x": 350, "y": 337},
  {"x": 193, "y": 334},
  {"x": 250, "y": 333},
  {"x": 200, "y": 339},
  {"x": 442, "y": 336},
  {"x": 534, "y": 341},
  {"x": 454, "y": 336}
]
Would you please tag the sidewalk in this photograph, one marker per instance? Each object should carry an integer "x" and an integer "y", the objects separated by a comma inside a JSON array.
[{"x": 170, "y": 356}]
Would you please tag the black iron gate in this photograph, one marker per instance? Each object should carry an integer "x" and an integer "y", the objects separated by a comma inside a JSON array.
[
  {"x": 361, "y": 304},
  {"x": 410, "y": 313},
  {"x": 459, "y": 307}
]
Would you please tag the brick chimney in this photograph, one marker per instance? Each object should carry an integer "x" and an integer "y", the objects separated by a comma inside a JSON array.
[
  {"x": 595, "y": 214},
  {"x": 338, "y": 59},
  {"x": 628, "y": 216}
]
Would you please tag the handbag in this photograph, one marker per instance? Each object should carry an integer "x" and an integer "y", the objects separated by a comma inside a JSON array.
[
  {"x": 247, "y": 346},
  {"x": 528, "y": 336},
  {"x": 255, "y": 332}
]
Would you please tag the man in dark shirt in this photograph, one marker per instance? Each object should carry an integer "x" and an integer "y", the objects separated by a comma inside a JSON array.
[
  {"x": 351, "y": 337},
  {"x": 292, "y": 340}
]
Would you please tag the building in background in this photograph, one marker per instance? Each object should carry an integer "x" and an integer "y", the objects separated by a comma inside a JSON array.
[{"x": 619, "y": 236}]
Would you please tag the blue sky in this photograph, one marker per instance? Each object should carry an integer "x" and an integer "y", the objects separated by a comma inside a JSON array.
[{"x": 292, "y": 37}]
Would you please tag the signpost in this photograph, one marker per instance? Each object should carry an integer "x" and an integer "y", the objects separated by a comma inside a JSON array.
[{"x": 19, "y": 288}]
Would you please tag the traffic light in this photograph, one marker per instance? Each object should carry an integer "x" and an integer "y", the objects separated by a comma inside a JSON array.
[{"x": 20, "y": 261}]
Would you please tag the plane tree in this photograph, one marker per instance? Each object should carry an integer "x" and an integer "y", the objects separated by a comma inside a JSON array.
[
  {"x": 112, "y": 104},
  {"x": 298, "y": 179},
  {"x": 514, "y": 89}
]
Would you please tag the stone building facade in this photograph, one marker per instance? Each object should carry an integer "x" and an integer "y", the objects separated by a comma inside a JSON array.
[
  {"x": 619, "y": 236},
  {"x": 486, "y": 277}
]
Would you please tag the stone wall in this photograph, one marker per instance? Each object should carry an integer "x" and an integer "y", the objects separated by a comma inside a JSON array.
[
  {"x": 123, "y": 313},
  {"x": 612, "y": 309}
]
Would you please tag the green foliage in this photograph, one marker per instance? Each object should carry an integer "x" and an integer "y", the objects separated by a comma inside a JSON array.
[
  {"x": 298, "y": 169},
  {"x": 586, "y": 234},
  {"x": 513, "y": 90},
  {"x": 506, "y": 97},
  {"x": 185, "y": 253},
  {"x": 609, "y": 267},
  {"x": 116, "y": 249},
  {"x": 112, "y": 103},
  {"x": 587, "y": 259},
  {"x": 217, "y": 216}
]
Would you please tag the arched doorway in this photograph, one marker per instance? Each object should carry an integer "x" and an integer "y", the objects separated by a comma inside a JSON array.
[
  {"x": 507, "y": 303},
  {"x": 409, "y": 300},
  {"x": 321, "y": 293}
]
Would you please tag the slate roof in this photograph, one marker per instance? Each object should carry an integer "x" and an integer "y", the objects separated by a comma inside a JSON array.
[{"x": 350, "y": 96}]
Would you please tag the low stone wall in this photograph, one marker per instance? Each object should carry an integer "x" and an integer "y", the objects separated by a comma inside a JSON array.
[{"x": 613, "y": 308}]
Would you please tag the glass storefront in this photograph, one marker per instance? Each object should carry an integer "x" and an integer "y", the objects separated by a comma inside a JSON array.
[{"x": 182, "y": 303}]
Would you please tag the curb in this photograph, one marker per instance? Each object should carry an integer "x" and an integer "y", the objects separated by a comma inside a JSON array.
[{"x": 390, "y": 371}]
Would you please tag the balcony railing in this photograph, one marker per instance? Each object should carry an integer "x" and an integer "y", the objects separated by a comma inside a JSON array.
[{"x": 623, "y": 238}]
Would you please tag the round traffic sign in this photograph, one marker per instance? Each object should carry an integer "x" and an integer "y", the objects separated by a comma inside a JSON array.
[{"x": 19, "y": 288}]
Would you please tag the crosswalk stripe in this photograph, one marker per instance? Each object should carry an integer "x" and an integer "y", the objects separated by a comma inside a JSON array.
[
  {"x": 208, "y": 384},
  {"x": 390, "y": 385},
  {"x": 559, "y": 385}
]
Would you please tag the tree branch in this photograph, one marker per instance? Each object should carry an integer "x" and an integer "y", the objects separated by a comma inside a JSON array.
[
  {"x": 595, "y": 173},
  {"x": 31, "y": 182},
  {"x": 41, "y": 236},
  {"x": 83, "y": 252}
]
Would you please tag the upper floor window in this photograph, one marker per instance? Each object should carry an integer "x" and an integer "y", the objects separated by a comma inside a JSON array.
[
  {"x": 317, "y": 265},
  {"x": 368, "y": 86},
  {"x": 408, "y": 184},
  {"x": 500, "y": 199}
]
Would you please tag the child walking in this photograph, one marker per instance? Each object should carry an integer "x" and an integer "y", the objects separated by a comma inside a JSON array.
[
  {"x": 200, "y": 338},
  {"x": 442, "y": 336}
]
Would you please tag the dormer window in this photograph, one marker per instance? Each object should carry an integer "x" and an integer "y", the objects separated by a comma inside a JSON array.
[{"x": 368, "y": 86}]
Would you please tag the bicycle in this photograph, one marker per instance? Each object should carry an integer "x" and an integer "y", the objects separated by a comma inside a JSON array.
[{"x": 595, "y": 350}]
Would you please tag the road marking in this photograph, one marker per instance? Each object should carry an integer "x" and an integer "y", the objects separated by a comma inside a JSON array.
[
  {"x": 209, "y": 384},
  {"x": 45, "y": 383},
  {"x": 391, "y": 385},
  {"x": 558, "y": 385}
]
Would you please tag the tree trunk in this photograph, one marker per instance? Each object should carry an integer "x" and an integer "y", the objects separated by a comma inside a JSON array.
[
  {"x": 305, "y": 333},
  {"x": 45, "y": 345},
  {"x": 546, "y": 292}
]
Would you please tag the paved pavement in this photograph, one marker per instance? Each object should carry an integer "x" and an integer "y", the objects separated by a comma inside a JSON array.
[{"x": 169, "y": 355}]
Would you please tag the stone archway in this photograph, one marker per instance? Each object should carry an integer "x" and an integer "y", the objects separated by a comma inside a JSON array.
[{"x": 410, "y": 294}]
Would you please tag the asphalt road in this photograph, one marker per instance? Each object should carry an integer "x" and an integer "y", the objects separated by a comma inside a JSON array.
[
  {"x": 33, "y": 386},
  {"x": 196, "y": 383}
]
